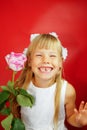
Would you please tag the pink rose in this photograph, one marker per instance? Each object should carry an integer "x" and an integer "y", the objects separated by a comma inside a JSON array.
[{"x": 16, "y": 61}]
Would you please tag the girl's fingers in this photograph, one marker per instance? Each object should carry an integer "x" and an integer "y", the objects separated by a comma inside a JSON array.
[
  {"x": 78, "y": 115},
  {"x": 81, "y": 107},
  {"x": 85, "y": 107},
  {"x": 75, "y": 110}
]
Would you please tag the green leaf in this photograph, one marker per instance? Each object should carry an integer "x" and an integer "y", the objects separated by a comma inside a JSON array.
[
  {"x": 25, "y": 93},
  {"x": 2, "y": 105},
  {"x": 6, "y": 123},
  {"x": 5, "y": 88},
  {"x": 14, "y": 91},
  {"x": 17, "y": 124},
  {"x": 10, "y": 84},
  {"x": 10, "y": 88},
  {"x": 24, "y": 101},
  {"x": 4, "y": 95},
  {"x": 5, "y": 111},
  {"x": 32, "y": 99}
]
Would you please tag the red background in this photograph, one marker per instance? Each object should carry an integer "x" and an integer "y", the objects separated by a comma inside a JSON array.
[{"x": 20, "y": 18}]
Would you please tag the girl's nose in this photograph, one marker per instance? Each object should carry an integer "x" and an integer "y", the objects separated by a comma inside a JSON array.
[{"x": 46, "y": 59}]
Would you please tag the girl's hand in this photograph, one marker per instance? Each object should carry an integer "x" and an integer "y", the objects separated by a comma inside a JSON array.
[{"x": 81, "y": 114}]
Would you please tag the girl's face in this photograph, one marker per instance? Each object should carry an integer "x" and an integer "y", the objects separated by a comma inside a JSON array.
[{"x": 45, "y": 64}]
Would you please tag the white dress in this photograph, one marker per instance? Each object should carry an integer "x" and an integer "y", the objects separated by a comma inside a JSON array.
[{"x": 40, "y": 116}]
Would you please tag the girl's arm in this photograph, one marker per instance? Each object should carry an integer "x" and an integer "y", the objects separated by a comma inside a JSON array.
[{"x": 77, "y": 118}]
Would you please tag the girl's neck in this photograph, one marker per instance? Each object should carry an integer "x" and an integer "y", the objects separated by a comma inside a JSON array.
[{"x": 43, "y": 83}]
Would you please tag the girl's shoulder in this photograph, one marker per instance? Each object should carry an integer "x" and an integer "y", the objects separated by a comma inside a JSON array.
[{"x": 70, "y": 92}]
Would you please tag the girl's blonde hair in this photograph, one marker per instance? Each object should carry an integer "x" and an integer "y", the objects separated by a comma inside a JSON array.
[{"x": 46, "y": 41}]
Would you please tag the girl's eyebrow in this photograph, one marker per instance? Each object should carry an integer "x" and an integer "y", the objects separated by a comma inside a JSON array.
[
  {"x": 40, "y": 52},
  {"x": 53, "y": 52}
]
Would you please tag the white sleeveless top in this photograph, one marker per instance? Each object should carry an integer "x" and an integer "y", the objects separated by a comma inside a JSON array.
[{"x": 40, "y": 116}]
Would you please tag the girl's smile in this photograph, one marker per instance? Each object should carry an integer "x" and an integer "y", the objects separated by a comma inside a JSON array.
[{"x": 45, "y": 69}]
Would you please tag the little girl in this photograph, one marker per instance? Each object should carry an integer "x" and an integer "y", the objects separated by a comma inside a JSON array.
[{"x": 54, "y": 96}]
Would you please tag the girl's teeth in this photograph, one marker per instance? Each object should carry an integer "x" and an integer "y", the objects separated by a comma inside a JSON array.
[{"x": 45, "y": 69}]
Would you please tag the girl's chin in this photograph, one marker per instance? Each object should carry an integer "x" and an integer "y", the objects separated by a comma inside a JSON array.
[{"x": 45, "y": 77}]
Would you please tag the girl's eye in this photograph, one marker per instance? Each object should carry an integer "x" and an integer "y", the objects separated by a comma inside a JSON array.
[
  {"x": 52, "y": 55},
  {"x": 39, "y": 55}
]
